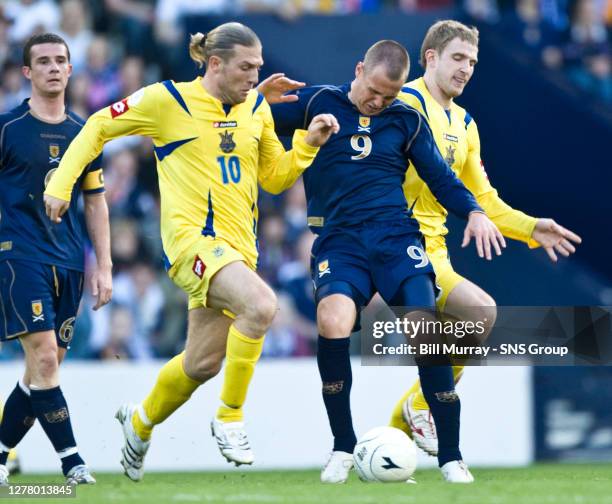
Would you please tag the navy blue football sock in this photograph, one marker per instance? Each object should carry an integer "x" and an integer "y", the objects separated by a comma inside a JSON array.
[
  {"x": 51, "y": 409},
  {"x": 439, "y": 390},
  {"x": 17, "y": 419},
  {"x": 334, "y": 362}
]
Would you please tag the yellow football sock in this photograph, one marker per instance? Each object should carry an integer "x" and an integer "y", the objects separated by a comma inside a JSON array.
[
  {"x": 172, "y": 389},
  {"x": 419, "y": 402},
  {"x": 241, "y": 356}
]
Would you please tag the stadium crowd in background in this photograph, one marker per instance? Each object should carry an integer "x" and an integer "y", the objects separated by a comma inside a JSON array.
[{"x": 117, "y": 46}]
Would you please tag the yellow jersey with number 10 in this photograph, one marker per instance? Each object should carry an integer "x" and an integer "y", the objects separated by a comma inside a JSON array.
[
  {"x": 456, "y": 136},
  {"x": 210, "y": 159}
]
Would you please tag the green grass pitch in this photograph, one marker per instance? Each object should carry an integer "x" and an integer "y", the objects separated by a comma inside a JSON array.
[{"x": 539, "y": 484}]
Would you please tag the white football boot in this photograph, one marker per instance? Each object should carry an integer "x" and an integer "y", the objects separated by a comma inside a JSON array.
[
  {"x": 4, "y": 475},
  {"x": 422, "y": 425},
  {"x": 456, "y": 471},
  {"x": 134, "y": 449},
  {"x": 337, "y": 468},
  {"x": 80, "y": 475},
  {"x": 232, "y": 441}
]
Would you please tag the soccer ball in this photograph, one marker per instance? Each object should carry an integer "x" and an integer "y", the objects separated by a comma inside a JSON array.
[{"x": 385, "y": 454}]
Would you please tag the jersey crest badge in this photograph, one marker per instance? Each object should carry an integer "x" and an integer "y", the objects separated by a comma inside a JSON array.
[
  {"x": 324, "y": 268},
  {"x": 364, "y": 124},
  {"x": 54, "y": 153},
  {"x": 227, "y": 144},
  {"x": 37, "y": 311},
  {"x": 450, "y": 155}
]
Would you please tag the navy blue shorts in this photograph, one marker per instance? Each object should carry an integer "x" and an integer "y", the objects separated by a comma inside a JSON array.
[
  {"x": 376, "y": 257},
  {"x": 38, "y": 297}
]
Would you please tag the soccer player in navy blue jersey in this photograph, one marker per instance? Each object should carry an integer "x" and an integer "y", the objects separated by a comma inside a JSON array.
[
  {"x": 367, "y": 239},
  {"x": 42, "y": 263}
]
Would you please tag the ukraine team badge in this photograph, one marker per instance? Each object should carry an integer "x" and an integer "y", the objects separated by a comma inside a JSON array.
[
  {"x": 37, "y": 311},
  {"x": 227, "y": 144},
  {"x": 450, "y": 155}
]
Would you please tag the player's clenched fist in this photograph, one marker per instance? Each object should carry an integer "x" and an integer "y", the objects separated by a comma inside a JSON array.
[
  {"x": 55, "y": 208},
  {"x": 485, "y": 235},
  {"x": 321, "y": 128}
]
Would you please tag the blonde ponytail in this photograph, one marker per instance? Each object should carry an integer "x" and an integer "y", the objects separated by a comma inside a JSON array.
[{"x": 196, "y": 49}]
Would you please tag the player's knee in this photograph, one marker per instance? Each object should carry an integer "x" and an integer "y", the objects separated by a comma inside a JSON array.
[
  {"x": 45, "y": 362},
  {"x": 262, "y": 310},
  {"x": 333, "y": 323}
]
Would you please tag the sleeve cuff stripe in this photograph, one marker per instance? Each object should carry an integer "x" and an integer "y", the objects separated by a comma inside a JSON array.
[{"x": 94, "y": 191}]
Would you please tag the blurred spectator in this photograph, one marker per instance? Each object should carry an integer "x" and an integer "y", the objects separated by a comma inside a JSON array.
[
  {"x": 127, "y": 198},
  {"x": 31, "y": 16},
  {"x": 283, "y": 338},
  {"x": 295, "y": 279},
  {"x": 14, "y": 86},
  {"x": 104, "y": 83},
  {"x": 135, "y": 21},
  {"x": 5, "y": 45},
  {"x": 588, "y": 54},
  {"x": 273, "y": 250},
  {"x": 75, "y": 29}
]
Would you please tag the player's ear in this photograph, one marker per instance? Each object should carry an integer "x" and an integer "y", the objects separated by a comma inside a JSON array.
[
  {"x": 430, "y": 56},
  {"x": 359, "y": 69},
  {"x": 26, "y": 71},
  {"x": 214, "y": 63}
]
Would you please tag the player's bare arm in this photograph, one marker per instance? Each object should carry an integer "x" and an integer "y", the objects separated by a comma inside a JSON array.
[
  {"x": 274, "y": 88},
  {"x": 485, "y": 234},
  {"x": 555, "y": 238},
  {"x": 55, "y": 208},
  {"x": 321, "y": 128},
  {"x": 98, "y": 227}
]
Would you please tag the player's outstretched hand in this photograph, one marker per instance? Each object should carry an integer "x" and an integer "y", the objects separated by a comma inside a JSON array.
[
  {"x": 55, "y": 208},
  {"x": 554, "y": 237},
  {"x": 321, "y": 128},
  {"x": 274, "y": 88},
  {"x": 485, "y": 233},
  {"x": 102, "y": 286}
]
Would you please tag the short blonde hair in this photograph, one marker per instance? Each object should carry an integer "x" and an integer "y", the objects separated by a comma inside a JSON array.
[
  {"x": 220, "y": 42},
  {"x": 441, "y": 33}
]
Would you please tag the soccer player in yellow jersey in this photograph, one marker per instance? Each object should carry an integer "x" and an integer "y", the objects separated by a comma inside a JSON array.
[
  {"x": 214, "y": 141},
  {"x": 449, "y": 54}
]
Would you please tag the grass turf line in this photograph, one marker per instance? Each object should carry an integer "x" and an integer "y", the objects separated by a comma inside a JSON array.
[{"x": 538, "y": 484}]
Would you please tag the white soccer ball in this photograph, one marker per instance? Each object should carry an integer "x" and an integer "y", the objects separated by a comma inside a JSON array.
[{"x": 385, "y": 454}]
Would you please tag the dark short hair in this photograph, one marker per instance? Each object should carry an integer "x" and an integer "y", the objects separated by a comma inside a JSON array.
[
  {"x": 392, "y": 55},
  {"x": 41, "y": 38}
]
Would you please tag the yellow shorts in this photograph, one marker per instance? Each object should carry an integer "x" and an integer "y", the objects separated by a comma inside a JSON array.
[
  {"x": 196, "y": 266},
  {"x": 446, "y": 277}
]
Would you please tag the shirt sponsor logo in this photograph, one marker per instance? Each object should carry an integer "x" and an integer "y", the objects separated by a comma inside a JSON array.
[
  {"x": 199, "y": 267},
  {"x": 5, "y": 246},
  {"x": 225, "y": 124},
  {"x": 37, "y": 311},
  {"x": 451, "y": 138},
  {"x": 119, "y": 108}
]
